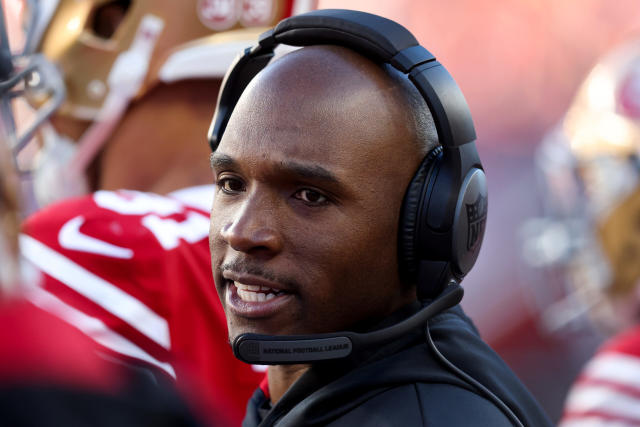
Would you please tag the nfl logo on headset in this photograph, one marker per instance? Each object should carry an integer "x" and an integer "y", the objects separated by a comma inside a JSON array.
[{"x": 476, "y": 218}]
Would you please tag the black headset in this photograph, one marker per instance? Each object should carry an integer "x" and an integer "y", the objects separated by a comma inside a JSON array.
[
  {"x": 445, "y": 205},
  {"x": 444, "y": 211}
]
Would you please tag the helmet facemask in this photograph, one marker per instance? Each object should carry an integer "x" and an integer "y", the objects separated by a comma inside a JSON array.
[{"x": 590, "y": 174}]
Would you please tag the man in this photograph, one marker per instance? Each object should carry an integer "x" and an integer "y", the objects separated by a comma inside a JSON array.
[
  {"x": 140, "y": 76},
  {"x": 590, "y": 166},
  {"x": 310, "y": 172}
]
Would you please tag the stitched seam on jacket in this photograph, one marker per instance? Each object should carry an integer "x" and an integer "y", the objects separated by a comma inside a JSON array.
[{"x": 420, "y": 404}]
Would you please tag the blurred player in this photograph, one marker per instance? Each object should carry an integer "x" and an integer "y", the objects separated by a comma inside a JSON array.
[
  {"x": 141, "y": 78},
  {"x": 591, "y": 167},
  {"x": 50, "y": 372}
]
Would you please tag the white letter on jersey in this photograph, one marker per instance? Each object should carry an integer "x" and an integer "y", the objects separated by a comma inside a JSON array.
[{"x": 169, "y": 231}]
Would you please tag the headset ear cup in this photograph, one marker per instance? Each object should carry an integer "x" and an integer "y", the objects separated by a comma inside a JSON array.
[
  {"x": 469, "y": 223},
  {"x": 411, "y": 217}
]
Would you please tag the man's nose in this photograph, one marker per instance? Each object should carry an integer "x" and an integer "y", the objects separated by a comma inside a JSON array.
[{"x": 253, "y": 227}]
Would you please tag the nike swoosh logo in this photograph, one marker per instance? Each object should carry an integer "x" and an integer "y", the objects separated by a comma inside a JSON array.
[{"x": 70, "y": 237}]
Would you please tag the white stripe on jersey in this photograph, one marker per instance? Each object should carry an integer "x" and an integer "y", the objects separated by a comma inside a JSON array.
[
  {"x": 595, "y": 422},
  {"x": 93, "y": 327},
  {"x": 603, "y": 399},
  {"x": 98, "y": 290},
  {"x": 615, "y": 367}
]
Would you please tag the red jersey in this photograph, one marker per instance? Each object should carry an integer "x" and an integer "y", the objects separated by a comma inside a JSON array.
[
  {"x": 132, "y": 270},
  {"x": 52, "y": 375},
  {"x": 607, "y": 392}
]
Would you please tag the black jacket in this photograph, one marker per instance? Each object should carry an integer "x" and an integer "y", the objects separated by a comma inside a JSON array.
[{"x": 404, "y": 384}]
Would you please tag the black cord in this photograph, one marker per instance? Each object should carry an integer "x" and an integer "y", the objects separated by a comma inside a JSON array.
[{"x": 472, "y": 381}]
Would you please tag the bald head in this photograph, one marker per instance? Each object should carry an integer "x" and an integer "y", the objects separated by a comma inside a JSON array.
[{"x": 321, "y": 85}]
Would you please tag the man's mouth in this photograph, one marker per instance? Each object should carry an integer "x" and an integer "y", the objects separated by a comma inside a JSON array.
[
  {"x": 256, "y": 293},
  {"x": 254, "y": 297}
]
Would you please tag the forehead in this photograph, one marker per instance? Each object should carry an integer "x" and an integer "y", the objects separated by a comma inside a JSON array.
[{"x": 325, "y": 105}]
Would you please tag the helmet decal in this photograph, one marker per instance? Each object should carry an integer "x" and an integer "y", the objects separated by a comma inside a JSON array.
[
  {"x": 256, "y": 12},
  {"x": 219, "y": 15}
]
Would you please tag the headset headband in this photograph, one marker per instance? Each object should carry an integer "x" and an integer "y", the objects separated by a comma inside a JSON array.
[{"x": 379, "y": 39}]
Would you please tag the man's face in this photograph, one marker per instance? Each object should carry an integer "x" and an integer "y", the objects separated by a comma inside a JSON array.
[{"x": 310, "y": 177}]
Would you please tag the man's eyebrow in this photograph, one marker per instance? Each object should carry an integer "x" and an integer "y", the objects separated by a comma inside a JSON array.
[
  {"x": 314, "y": 172},
  {"x": 218, "y": 161},
  {"x": 292, "y": 168}
]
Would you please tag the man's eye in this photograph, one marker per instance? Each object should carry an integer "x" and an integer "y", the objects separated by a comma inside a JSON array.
[
  {"x": 231, "y": 185},
  {"x": 311, "y": 197}
]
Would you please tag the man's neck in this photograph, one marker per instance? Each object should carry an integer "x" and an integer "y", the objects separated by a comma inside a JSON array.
[{"x": 282, "y": 377}]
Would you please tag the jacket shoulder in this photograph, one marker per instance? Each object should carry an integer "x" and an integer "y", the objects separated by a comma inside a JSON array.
[{"x": 423, "y": 404}]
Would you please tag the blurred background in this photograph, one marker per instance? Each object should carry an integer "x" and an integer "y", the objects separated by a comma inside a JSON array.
[{"x": 519, "y": 64}]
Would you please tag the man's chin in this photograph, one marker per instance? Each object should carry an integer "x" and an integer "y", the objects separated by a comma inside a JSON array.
[
  {"x": 235, "y": 335},
  {"x": 235, "y": 332}
]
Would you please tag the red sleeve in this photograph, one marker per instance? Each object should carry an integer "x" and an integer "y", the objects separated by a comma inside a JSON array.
[
  {"x": 28, "y": 333},
  {"x": 132, "y": 270}
]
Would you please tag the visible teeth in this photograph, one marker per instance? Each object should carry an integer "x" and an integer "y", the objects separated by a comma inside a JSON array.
[
  {"x": 254, "y": 296},
  {"x": 250, "y": 292},
  {"x": 244, "y": 287}
]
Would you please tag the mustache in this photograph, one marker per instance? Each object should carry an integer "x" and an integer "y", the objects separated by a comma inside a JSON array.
[{"x": 240, "y": 266}]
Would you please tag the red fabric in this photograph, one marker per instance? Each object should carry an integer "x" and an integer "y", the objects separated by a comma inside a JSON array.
[
  {"x": 627, "y": 342},
  {"x": 264, "y": 386},
  {"x": 169, "y": 273},
  {"x": 40, "y": 348},
  {"x": 288, "y": 8}
]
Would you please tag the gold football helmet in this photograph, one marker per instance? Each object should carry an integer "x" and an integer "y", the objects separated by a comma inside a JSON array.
[
  {"x": 103, "y": 45},
  {"x": 113, "y": 52},
  {"x": 590, "y": 169}
]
